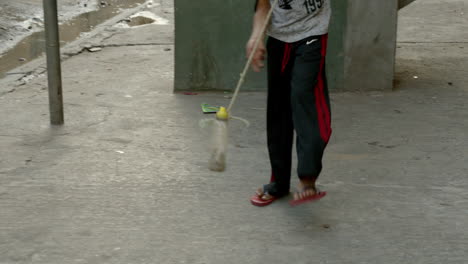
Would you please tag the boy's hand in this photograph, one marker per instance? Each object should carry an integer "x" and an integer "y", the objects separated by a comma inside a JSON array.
[{"x": 259, "y": 57}]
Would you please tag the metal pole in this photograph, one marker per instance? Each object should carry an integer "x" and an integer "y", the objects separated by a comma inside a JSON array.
[{"x": 53, "y": 62}]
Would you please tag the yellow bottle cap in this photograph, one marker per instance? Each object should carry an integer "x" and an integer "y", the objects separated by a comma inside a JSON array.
[{"x": 222, "y": 114}]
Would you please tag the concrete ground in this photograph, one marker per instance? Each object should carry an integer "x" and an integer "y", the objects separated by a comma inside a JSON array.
[
  {"x": 20, "y": 18},
  {"x": 125, "y": 180}
]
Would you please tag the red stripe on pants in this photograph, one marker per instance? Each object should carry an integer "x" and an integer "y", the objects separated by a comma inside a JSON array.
[
  {"x": 323, "y": 113},
  {"x": 286, "y": 55}
]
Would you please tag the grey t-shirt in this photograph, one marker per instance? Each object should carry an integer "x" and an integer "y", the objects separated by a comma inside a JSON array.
[{"x": 294, "y": 20}]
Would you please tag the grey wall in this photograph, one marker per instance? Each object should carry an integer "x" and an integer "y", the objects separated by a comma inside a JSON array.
[
  {"x": 370, "y": 44},
  {"x": 336, "y": 46},
  {"x": 210, "y": 41},
  {"x": 211, "y": 36}
]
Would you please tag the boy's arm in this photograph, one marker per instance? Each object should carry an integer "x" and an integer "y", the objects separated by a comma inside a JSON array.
[{"x": 261, "y": 11}]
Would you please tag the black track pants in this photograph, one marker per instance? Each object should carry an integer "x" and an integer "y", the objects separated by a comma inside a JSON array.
[{"x": 298, "y": 101}]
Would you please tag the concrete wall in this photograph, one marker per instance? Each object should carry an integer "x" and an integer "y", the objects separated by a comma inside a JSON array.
[
  {"x": 336, "y": 46},
  {"x": 210, "y": 41},
  {"x": 370, "y": 43},
  {"x": 210, "y": 45}
]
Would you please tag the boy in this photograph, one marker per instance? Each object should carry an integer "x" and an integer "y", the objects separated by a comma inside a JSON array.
[{"x": 297, "y": 93}]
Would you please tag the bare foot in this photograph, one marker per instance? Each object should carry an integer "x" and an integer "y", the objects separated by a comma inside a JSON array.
[
  {"x": 262, "y": 195},
  {"x": 307, "y": 188}
]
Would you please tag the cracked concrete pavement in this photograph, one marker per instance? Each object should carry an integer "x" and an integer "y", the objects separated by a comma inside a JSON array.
[
  {"x": 20, "y": 18},
  {"x": 95, "y": 38},
  {"x": 125, "y": 180}
]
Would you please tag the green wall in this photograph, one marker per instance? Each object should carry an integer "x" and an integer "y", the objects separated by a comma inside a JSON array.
[
  {"x": 336, "y": 45},
  {"x": 210, "y": 37}
]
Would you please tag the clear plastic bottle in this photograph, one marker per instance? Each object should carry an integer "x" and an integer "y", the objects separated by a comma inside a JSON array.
[{"x": 220, "y": 141}]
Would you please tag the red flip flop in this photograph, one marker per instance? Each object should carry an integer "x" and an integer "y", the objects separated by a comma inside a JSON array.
[
  {"x": 258, "y": 201},
  {"x": 319, "y": 195}
]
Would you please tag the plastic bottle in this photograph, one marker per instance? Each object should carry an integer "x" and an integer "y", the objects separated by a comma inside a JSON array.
[{"x": 220, "y": 141}]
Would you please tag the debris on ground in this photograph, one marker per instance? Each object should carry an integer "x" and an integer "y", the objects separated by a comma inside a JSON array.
[{"x": 94, "y": 49}]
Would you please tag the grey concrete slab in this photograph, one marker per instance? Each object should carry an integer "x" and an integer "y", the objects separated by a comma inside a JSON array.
[
  {"x": 370, "y": 44},
  {"x": 126, "y": 179},
  {"x": 434, "y": 21},
  {"x": 162, "y": 30}
]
